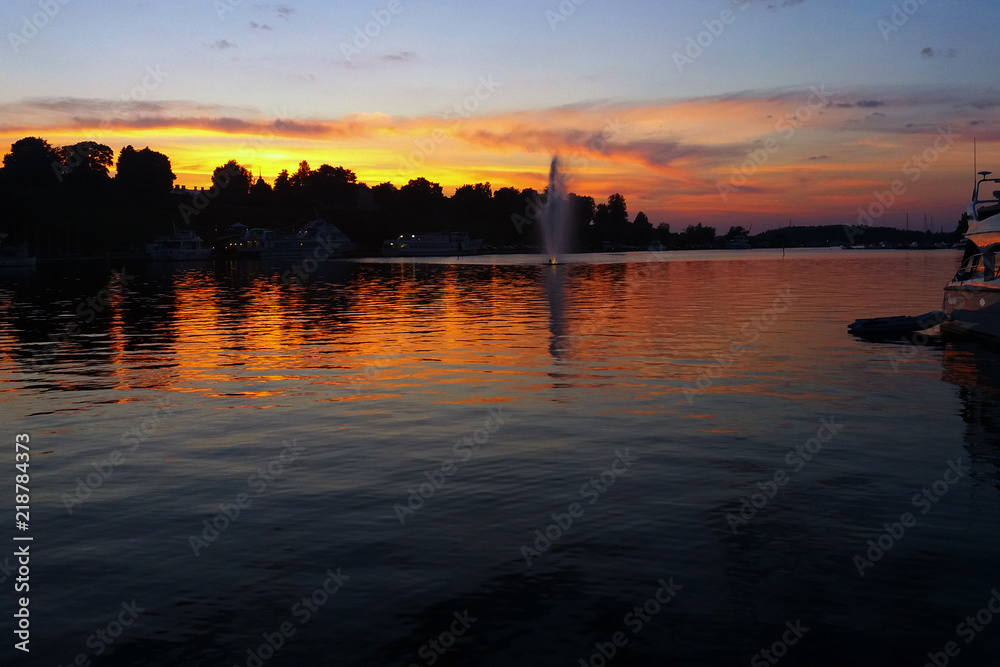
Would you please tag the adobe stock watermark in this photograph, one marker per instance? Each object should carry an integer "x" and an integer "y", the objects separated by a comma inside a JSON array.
[
  {"x": 593, "y": 489},
  {"x": 265, "y": 475},
  {"x": 104, "y": 637},
  {"x": 923, "y": 501},
  {"x": 779, "y": 649},
  {"x": 463, "y": 450},
  {"x": 697, "y": 44},
  {"x": 635, "y": 621},
  {"x": 455, "y": 115},
  {"x": 223, "y": 7},
  {"x": 302, "y": 612},
  {"x": 968, "y": 630},
  {"x": 750, "y": 333},
  {"x": 363, "y": 36},
  {"x": 914, "y": 169},
  {"x": 30, "y": 26},
  {"x": 786, "y": 127},
  {"x": 434, "y": 649},
  {"x": 796, "y": 458},
  {"x": 899, "y": 15},
  {"x": 130, "y": 441},
  {"x": 566, "y": 9}
]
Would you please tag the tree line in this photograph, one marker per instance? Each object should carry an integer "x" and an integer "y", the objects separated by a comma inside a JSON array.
[{"x": 64, "y": 201}]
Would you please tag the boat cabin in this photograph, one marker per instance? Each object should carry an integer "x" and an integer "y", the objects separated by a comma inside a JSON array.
[
  {"x": 983, "y": 205},
  {"x": 979, "y": 264}
]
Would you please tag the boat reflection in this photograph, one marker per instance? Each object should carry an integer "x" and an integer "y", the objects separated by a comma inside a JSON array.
[{"x": 975, "y": 370}]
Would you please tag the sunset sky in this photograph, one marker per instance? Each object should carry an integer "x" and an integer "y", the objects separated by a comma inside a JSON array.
[{"x": 821, "y": 103}]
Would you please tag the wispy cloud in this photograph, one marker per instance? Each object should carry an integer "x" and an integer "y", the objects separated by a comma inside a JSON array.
[
  {"x": 669, "y": 152},
  {"x": 929, "y": 52},
  {"x": 400, "y": 56},
  {"x": 770, "y": 3},
  {"x": 281, "y": 11},
  {"x": 222, "y": 44}
]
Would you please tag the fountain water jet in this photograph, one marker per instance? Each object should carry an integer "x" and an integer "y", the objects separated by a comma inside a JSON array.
[{"x": 555, "y": 220}]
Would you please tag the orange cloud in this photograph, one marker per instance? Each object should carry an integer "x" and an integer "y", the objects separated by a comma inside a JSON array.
[{"x": 809, "y": 154}]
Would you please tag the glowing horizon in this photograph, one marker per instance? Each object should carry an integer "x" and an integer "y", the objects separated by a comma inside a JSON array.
[{"x": 741, "y": 139}]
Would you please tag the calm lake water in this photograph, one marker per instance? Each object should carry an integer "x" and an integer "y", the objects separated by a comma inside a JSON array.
[{"x": 494, "y": 462}]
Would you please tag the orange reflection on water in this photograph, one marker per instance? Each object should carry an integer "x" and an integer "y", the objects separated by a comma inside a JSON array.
[{"x": 662, "y": 332}]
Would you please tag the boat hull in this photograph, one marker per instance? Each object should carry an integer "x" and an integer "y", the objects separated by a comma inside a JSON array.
[
  {"x": 181, "y": 246},
  {"x": 317, "y": 239},
  {"x": 431, "y": 249},
  {"x": 180, "y": 256},
  {"x": 316, "y": 251},
  {"x": 973, "y": 310},
  {"x": 458, "y": 252}
]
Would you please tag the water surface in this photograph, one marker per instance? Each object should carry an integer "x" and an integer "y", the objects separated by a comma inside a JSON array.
[{"x": 328, "y": 407}]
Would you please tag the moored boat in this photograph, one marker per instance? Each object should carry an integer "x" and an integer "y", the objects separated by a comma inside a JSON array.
[
  {"x": 897, "y": 325},
  {"x": 15, "y": 256},
  {"x": 317, "y": 238},
  {"x": 441, "y": 244},
  {"x": 184, "y": 245},
  {"x": 972, "y": 298}
]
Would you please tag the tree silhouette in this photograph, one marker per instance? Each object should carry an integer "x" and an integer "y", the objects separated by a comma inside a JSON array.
[
  {"x": 332, "y": 185},
  {"x": 233, "y": 181},
  {"x": 84, "y": 169},
  {"x": 617, "y": 210},
  {"x": 473, "y": 202},
  {"x": 283, "y": 189},
  {"x": 31, "y": 163},
  {"x": 144, "y": 175},
  {"x": 301, "y": 175},
  {"x": 384, "y": 196},
  {"x": 963, "y": 226},
  {"x": 696, "y": 236},
  {"x": 87, "y": 157},
  {"x": 611, "y": 219},
  {"x": 662, "y": 234},
  {"x": 642, "y": 229},
  {"x": 420, "y": 198}
]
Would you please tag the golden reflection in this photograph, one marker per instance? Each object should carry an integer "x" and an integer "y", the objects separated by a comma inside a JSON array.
[{"x": 657, "y": 336}]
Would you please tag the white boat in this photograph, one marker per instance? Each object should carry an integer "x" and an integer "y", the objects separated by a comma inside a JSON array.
[
  {"x": 317, "y": 238},
  {"x": 15, "y": 256},
  {"x": 972, "y": 298},
  {"x": 184, "y": 245},
  {"x": 442, "y": 244}
]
